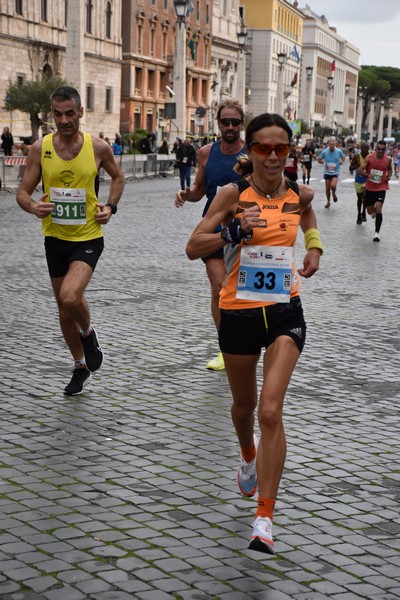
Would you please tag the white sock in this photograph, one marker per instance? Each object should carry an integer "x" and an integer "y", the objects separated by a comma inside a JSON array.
[
  {"x": 86, "y": 331},
  {"x": 80, "y": 363}
]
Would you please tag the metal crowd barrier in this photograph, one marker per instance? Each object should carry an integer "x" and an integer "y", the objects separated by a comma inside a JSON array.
[
  {"x": 11, "y": 172},
  {"x": 139, "y": 166},
  {"x": 134, "y": 166}
]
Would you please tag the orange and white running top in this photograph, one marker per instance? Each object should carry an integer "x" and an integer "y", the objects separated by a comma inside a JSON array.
[{"x": 261, "y": 271}]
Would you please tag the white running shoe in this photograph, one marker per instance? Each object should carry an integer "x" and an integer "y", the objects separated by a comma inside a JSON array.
[
  {"x": 262, "y": 540},
  {"x": 247, "y": 475}
]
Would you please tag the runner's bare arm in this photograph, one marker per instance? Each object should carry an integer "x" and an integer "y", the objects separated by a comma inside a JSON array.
[
  {"x": 308, "y": 221},
  {"x": 204, "y": 240},
  {"x": 30, "y": 180}
]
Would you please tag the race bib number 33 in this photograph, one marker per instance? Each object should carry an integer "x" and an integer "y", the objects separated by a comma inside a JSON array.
[
  {"x": 69, "y": 206},
  {"x": 265, "y": 273}
]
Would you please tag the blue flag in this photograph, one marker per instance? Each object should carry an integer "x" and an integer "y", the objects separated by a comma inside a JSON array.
[{"x": 295, "y": 54}]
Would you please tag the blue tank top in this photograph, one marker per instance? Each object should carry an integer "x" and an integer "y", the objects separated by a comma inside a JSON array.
[
  {"x": 359, "y": 178},
  {"x": 219, "y": 171}
]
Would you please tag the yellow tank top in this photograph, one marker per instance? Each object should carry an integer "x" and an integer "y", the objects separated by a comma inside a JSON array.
[
  {"x": 279, "y": 224},
  {"x": 71, "y": 185}
]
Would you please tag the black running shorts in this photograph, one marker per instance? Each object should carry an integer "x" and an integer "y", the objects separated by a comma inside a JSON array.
[
  {"x": 248, "y": 331},
  {"x": 371, "y": 197},
  {"x": 61, "y": 253}
]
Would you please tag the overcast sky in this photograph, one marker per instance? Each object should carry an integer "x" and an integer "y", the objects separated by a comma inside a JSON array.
[{"x": 373, "y": 26}]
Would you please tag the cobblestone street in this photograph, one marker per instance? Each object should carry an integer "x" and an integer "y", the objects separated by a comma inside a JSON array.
[{"x": 129, "y": 490}]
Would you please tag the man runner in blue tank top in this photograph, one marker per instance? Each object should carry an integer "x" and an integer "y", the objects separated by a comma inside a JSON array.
[{"x": 215, "y": 169}]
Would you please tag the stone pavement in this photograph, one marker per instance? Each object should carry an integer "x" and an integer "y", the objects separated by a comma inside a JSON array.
[{"x": 129, "y": 491}]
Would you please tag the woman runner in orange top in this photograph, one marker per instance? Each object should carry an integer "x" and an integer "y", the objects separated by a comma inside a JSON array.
[{"x": 260, "y": 304}]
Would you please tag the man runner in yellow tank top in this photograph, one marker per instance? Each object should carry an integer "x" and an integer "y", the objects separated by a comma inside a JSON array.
[{"x": 68, "y": 162}]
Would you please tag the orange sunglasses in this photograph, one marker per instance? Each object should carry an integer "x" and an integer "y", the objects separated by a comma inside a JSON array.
[{"x": 281, "y": 150}]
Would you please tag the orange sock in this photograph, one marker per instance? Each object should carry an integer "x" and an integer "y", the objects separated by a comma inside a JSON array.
[
  {"x": 265, "y": 507},
  {"x": 249, "y": 454}
]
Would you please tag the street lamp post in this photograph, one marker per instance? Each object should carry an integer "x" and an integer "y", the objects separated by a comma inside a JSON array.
[
  {"x": 241, "y": 76},
  {"x": 309, "y": 112},
  {"x": 180, "y": 67},
  {"x": 282, "y": 58},
  {"x": 371, "y": 120},
  {"x": 380, "y": 125},
  {"x": 329, "y": 81}
]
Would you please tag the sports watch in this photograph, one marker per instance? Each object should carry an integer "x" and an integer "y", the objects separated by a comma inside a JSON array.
[{"x": 113, "y": 207}]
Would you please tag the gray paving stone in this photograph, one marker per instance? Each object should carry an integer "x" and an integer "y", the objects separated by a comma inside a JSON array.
[
  {"x": 153, "y": 595},
  {"x": 65, "y": 593},
  {"x": 93, "y": 586},
  {"x": 21, "y": 574},
  {"x": 40, "y": 584},
  {"x": 7, "y": 587}
]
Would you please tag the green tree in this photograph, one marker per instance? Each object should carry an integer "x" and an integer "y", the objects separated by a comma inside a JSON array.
[
  {"x": 33, "y": 97},
  {"x": 380, "y": 83},
  {"x": 133, "y": 139},
  {"x": 305, "y": 128}
]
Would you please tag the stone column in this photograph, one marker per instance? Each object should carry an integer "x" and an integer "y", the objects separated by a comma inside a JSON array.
[
  {"x": 75, "y": 56},
  {"x": 371, "y": 120}
]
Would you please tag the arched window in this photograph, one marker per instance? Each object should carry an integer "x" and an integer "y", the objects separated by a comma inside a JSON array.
[
  {"x": 108, "y": 20},
  {"x": 47, "y": 70},
  {"x": 19, "y": 7}
]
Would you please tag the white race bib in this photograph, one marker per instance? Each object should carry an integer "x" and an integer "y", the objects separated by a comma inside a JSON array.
[
  {"x": 375, "y": 175},
  {"x": 265, "y": 273},
  {"x": 69, "y": 206}
]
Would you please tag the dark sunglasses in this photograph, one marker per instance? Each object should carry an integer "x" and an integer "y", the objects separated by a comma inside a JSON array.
[
  {"x": 380, "y": 149},
  {"x": 281, "y": 150},
  {"x": 233, "y": 122}
]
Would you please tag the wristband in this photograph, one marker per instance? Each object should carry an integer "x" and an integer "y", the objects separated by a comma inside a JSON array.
[
  {"x": 234, "y": 234},
  {"x": 312, "y": 239}
]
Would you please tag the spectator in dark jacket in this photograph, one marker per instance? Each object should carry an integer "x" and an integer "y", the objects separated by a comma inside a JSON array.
[
  {"x": 164, "y": 165},
  {"x": 177, "y": 144},
  {"x": 7, "y": 141},
  {"x": 185, "y": 161},
  {"x": 145, "y": 146}
]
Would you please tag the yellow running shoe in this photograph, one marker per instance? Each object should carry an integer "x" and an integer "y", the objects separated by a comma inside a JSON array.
[{"x": 217, "y": 363}]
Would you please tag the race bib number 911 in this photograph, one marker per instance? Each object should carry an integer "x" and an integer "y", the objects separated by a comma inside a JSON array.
[{"x": 69, "y": 206}]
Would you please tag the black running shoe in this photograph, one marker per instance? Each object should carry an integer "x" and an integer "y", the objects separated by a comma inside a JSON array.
[
  {"x": 93, "y": 353},
  {"x": 80, "y": 377}
]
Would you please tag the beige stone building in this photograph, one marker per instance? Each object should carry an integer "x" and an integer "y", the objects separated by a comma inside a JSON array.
[
  {"x": 275, "y": 29},
  {"x": 228, "y": 60},
  {"x": 34, "y": 36},
  {"x": 329, "y": 91},
  {"x": 149, "y": 31}
]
